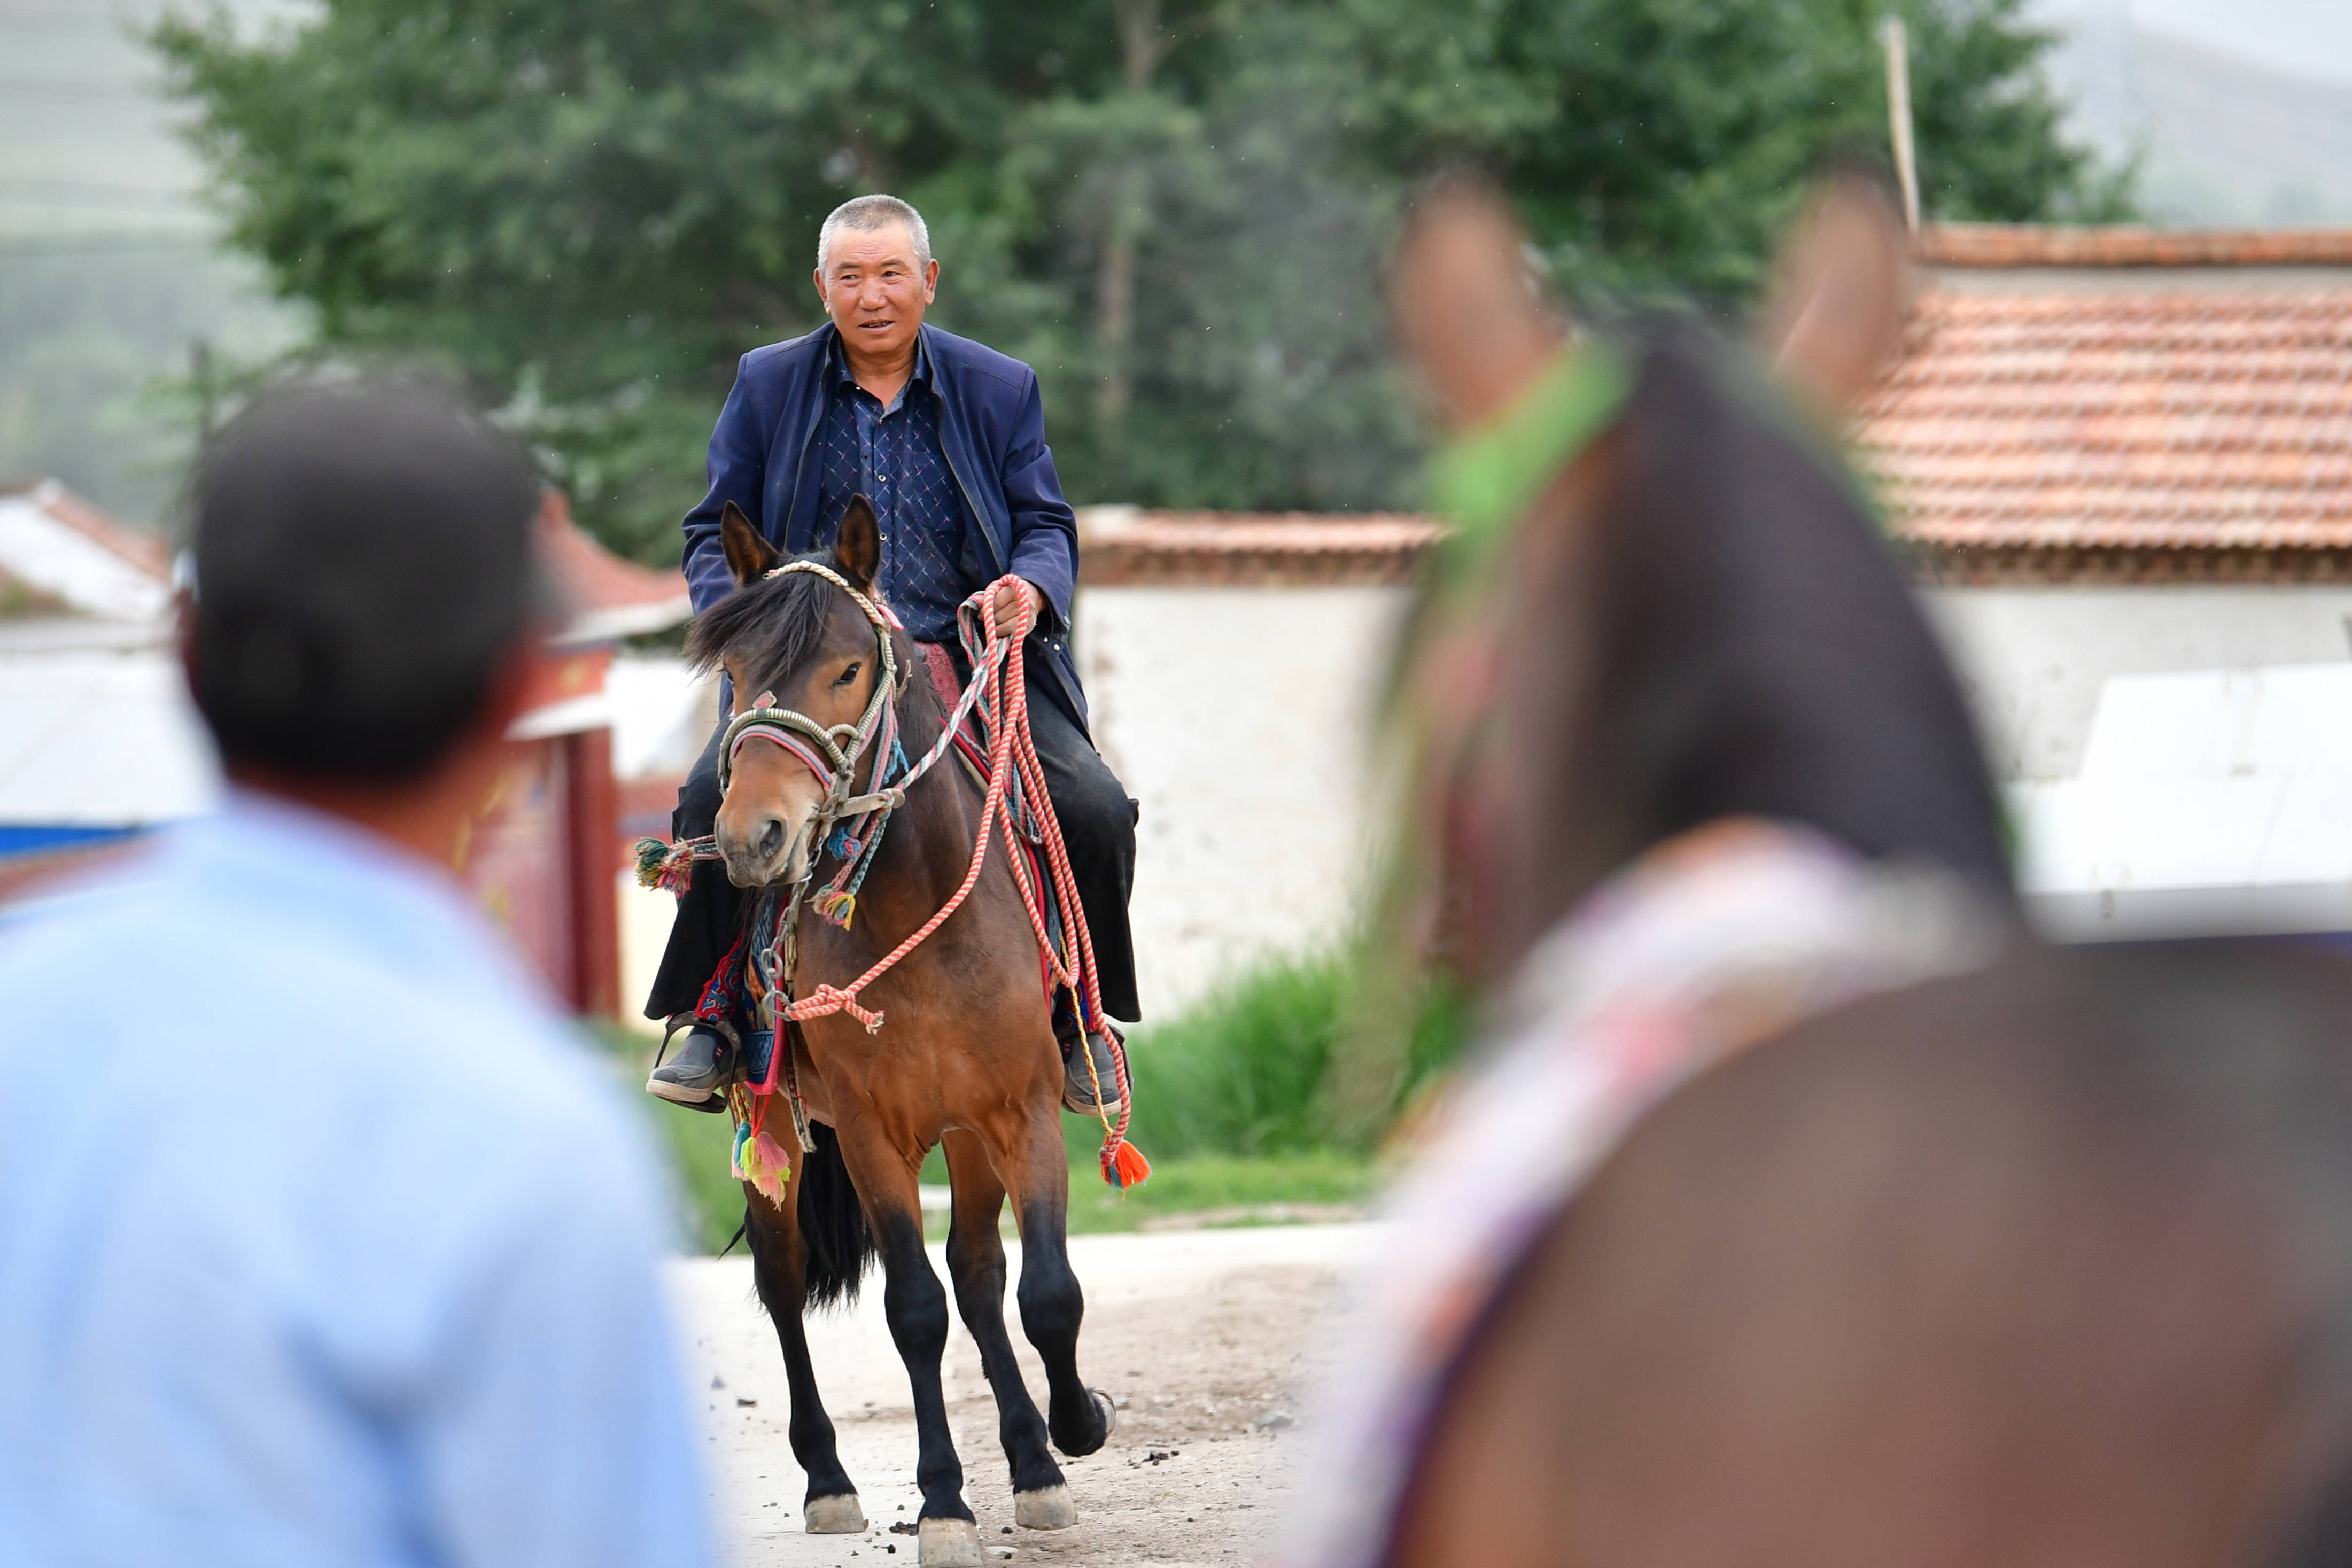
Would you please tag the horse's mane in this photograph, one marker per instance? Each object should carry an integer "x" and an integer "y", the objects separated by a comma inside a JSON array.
[
  {"x": 776, "y": 625},
  {"x": 773, "y": 626},
  {"x": 1722, "y": 630}
]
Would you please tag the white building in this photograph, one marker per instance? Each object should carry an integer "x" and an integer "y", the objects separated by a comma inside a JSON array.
[
  {"x": 2123, "y": 459},
  {"x": 99, "y": 740},
  {"x": 2206, "y": 800},
  {"x": 2119, "y": 452},
  {"x": 1231, "y": 665}
]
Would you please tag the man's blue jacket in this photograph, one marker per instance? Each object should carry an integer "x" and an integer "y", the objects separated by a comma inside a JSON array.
[{"x": 993, "y": 428}]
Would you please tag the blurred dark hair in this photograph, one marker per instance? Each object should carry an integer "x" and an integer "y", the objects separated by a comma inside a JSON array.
[{"x": 364, "y": 559}]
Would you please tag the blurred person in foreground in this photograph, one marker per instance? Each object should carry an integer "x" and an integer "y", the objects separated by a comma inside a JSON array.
[{"x": 277, "y": 1283}]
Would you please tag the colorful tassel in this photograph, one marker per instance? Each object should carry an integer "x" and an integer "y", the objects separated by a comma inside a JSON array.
[
  {"x": 757, "y": 1159},
  {"x": 835, "y": 906},
  {"x": 652, "y": 861},
  {"x": 1124, "y": 1166},
  {"x": 663, "y": 864}
]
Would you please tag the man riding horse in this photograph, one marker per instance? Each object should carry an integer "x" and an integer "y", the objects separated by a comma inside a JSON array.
[{"x": 946, "y": 438}]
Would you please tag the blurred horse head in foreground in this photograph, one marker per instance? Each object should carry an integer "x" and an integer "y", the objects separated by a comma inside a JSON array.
[{"x": 1666, "y": 602}]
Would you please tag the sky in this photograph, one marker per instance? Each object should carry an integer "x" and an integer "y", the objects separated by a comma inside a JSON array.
[{"x": 2308, "y": 37}]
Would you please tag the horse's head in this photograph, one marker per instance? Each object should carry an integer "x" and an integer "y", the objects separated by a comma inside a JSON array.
[
  {"x": 796, "y": 639},
  {"x": 1692, "y": 617}
]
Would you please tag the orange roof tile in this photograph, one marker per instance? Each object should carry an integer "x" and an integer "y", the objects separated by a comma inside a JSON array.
[
  {"x": 2032, "y": 244},
  {"x": 609, "y": 597},
  {"x": 1121, "y": 545},
  {"x": 2136, "y": 421},
  {"x": 149, "y": 553}
]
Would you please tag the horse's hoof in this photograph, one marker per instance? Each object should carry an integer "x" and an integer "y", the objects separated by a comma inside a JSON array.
[
  {"x": 1078, "y": 1442},
  {"x": 838, "y": 1515},
  {"x": 1047, "y": 1507},
  {"x": 948, "y": 1544}
]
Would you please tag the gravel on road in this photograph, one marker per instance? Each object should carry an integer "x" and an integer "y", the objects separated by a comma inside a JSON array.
[{"x": 1210, "y": 1339}]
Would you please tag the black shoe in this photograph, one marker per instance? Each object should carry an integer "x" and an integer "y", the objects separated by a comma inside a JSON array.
[
  {"x": 695, "y": 1076},
  {"x": 1096, "y": 1092}
]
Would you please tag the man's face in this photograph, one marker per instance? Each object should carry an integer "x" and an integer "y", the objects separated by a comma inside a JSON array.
[{"x": 873, "y": 289}]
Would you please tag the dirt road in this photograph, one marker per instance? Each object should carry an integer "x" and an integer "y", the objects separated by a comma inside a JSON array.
[{"x": 1207, "y": 1336}]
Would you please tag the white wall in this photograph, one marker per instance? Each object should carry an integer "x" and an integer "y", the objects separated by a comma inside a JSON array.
[
  {"x": 2209, "y": 800},
  {"x": 1237, "y": 716},
  {"x": 2034, "y": 659}
]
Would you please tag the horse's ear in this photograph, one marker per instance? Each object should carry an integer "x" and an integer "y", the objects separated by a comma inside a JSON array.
[
  {"x": 1841, "y": 292},
  {"x": 749, "y": 556},
  {"x": 858, "y": 548},
  {"x": 1468, "y": 311}
]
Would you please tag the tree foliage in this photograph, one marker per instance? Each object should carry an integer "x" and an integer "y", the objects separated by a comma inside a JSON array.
[{"x": 1175, "y": 209}]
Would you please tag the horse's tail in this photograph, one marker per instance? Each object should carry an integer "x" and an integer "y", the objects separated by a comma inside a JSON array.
[{"x": 832, "y": 1224}]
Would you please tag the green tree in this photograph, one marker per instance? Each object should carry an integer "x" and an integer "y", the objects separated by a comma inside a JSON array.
[
  {"x": 1664, "y": 143},
  {"x": 1175, "y": 209}
]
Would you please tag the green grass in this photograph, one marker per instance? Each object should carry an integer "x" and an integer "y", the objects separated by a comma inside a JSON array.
[
  {"x": 695, "y": 1145},
  {"x": 1229, "y": 1108},
  {"x": 1244, "y": 1072},
  {"x": 1230, "y": 1189}
]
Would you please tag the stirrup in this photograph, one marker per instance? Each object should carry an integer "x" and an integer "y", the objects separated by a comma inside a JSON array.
[{"x": 728, "y": 1064}]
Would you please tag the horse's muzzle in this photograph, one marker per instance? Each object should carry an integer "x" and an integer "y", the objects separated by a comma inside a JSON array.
[{"x": 770, "y": 854}]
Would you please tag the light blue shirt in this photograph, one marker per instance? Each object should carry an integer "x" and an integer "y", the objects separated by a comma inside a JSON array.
[{"x": 321, "y": 1240}]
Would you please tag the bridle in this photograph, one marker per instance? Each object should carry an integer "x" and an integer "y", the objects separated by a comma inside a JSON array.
[{"x": 831, "y": 752}]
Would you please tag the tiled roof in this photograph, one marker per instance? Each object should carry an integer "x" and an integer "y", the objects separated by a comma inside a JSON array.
[
  {"x": 2002, "y": 245},
  {"x": 147, "y": 552},
  {"x": 68, "y": 568},
  {"x": 609, "y": 597},
  {"x": 1121, "y": 545},
  {"x": 2141, "y": 422}
]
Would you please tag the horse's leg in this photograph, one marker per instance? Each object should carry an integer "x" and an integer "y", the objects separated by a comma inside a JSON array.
[
  {"x": 976, "y": 1264},
  {"x": 916, "y": 1310},
  {"x": 1051, "y": 1302},
  {"x": 778, "y": 1260}
]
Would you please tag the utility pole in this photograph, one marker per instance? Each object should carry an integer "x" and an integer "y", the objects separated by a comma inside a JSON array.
[
  {"x": 1897, "y": 42},
  {"x": 203, "y": 379}
]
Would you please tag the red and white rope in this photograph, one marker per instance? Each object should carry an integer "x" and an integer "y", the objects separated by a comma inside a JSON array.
[{"x": 1000, "y": 691}]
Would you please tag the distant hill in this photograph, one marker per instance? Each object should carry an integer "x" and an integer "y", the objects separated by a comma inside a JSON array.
[{"x": 2220, "y": 141}]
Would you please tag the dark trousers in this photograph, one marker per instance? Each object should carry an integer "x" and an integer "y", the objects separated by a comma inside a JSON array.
[{"x": 1097, "y": 822}]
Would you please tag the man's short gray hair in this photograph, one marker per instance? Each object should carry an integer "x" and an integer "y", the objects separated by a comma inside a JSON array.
[{"x": 866, "y": 214}]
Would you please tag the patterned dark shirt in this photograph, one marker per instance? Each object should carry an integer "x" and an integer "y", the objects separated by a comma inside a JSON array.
[{"x": 932, "y": 559}]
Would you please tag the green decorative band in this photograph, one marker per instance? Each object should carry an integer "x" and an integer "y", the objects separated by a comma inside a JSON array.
[{"x": 1485, "y": 482}]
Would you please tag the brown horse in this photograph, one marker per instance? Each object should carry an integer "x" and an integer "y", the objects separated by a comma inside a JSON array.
[
  {"x": 2051, "y": 1263},
  {"x": 965, "y": 1058}
]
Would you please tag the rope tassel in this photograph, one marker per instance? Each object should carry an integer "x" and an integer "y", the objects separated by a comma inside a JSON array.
[
  {"x": 671, "y": 866},
  {"x": 1125, "y": 1167}
]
